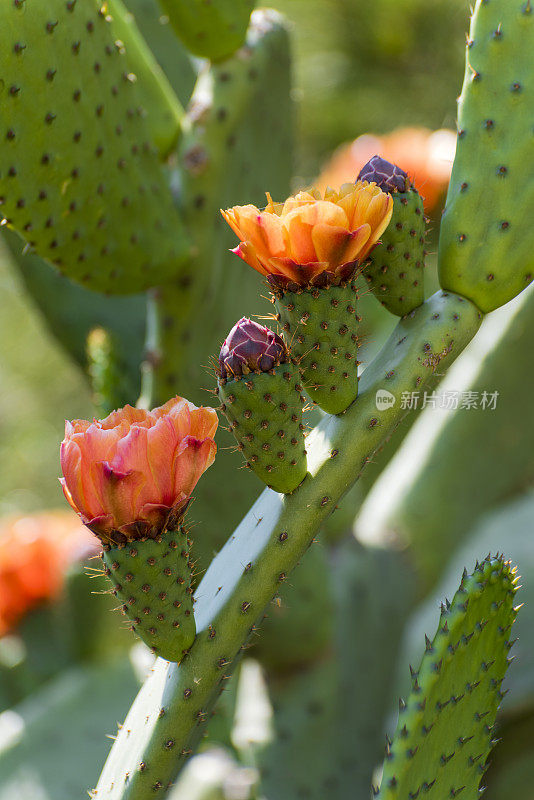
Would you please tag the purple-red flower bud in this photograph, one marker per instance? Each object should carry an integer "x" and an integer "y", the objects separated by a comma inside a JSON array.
[
  {"x": 250, "y": 347},
  {"x": 389, "y": 177}
]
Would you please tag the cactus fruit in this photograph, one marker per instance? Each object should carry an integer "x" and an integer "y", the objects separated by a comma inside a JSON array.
[
  {"x": 446, "y": 727},
  {"x": 213, "y": 30},
  {"x": 395, "y": 272},
  {"x": 321, "y": 326},
  {"x": 80, "y": 177},
  {"x": 260, "y": 393},
  {"x": 152, "y": 579},
  {"x": 486, "y": 245}
]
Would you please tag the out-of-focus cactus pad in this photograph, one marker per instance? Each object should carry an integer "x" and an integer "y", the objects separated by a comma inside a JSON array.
[
  {"x": 446, "y": 728},
  {"x": 80, "y": 177},
  {"x": 487, "y": 239},
  {"x": 213, "y": 29}
]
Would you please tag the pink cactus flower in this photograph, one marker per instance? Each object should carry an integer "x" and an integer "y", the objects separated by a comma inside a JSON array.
[{"x": 131, "y": 475}]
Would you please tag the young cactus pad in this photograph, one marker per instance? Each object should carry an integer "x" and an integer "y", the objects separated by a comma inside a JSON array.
[
  {"x": 321, "y": 326},
  {"x": 260, "y": 392},
  {"x": 213, "y": 29},
  {"x": 395, "y": 273},
  {"x": 486, "y": 250},
  {"x": 152, "y": 579},
  {"x": 80, "y": 176},
  {"x": 446, "y": 728}
]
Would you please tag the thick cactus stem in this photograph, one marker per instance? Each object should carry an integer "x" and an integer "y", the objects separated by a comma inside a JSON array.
[
  {"x": 169, "y": 714},
  {"x": 396, "y": 271},
  {"x": 321, "y": 328},
  {"x": 265, "y": 415},
  {"x": 486, "y": 250},
  {"x": 446, "y": 728},
  {"x": 213, "y": 29},
  {"x": 80, "y": 176},
  {"x": 152, "y": 578}
]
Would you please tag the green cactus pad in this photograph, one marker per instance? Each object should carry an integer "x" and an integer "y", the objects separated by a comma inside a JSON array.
[
  {"x": 213, "y": 29},
  {"x": 265, "y": 414},
  {"x": 164, "y": 112},
  {"x": 153, "y": 581},
  {"x": 395, "y": 274},
  {"x": 321, "y": 329},
  {"x": 486, "y": 250},
  {"x": 80, "y": 177},
  {"x": 445, "y": 729}
]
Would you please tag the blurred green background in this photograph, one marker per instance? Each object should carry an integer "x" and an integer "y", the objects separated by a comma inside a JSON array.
[{"x": 360, "y": 66}]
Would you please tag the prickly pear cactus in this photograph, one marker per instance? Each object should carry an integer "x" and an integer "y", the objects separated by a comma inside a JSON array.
[
  {"x": 395, "y": 274},
  {"x": 395, "y": 271},
  {"x": 80, "y": 177},
  {"x": 213, "y": 30},
  {"x": 261, "y": 397},
  {"x": 486, "y": 247},
  {"x": 446, "y": 728},
  {"x": 265, "y": 413},
  {"x": 152, "y": 579},
  {"x": 321, "y": 327}
]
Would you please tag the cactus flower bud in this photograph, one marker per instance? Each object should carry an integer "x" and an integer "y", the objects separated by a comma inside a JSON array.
[
  {"x": 389, "y": 177},
  {"x": 311, "y": 239},
  {"x": 131, "y": 473},
  {"x": 250, "y": 347}
]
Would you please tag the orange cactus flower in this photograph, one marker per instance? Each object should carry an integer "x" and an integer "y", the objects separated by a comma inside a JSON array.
[
  {"x": 35, "y": 551},
  {"x": 130, "y": 475},
  {"x": 312, "y": 238},
  {"x": 425, "y": 155}
]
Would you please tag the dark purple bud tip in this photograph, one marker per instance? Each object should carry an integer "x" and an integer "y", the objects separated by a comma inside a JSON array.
[
  {"x": 250, "y": 347},
  {"x": 389, "y": 177}
]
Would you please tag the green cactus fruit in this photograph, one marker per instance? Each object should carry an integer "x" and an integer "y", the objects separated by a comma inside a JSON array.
[
  {"x": 395, "y": 271},
  {"x": 260, "y": 392},
  {"x": 213, "y": 29},
  {"x": 152, "y": 578},
  {"x": 486, "y": 249},
  {"x": 321, "y": 327},
  {"x": 446, "y": 728},
  {"x": 80, "y": 177}
]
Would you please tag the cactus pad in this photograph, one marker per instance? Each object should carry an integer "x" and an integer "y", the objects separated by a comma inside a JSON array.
[
  {"x": 80, "y": 177},
  {"x": 321, "y": 329},
  {"x": 265, "y": 414},
  {"x": 445, "y": 729},
  {"x": 213, "y": 29},
  {"x": 152, "y": 578},
  {"x": 487, "y": 241},
  {"x": 395, "y": 274}
]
